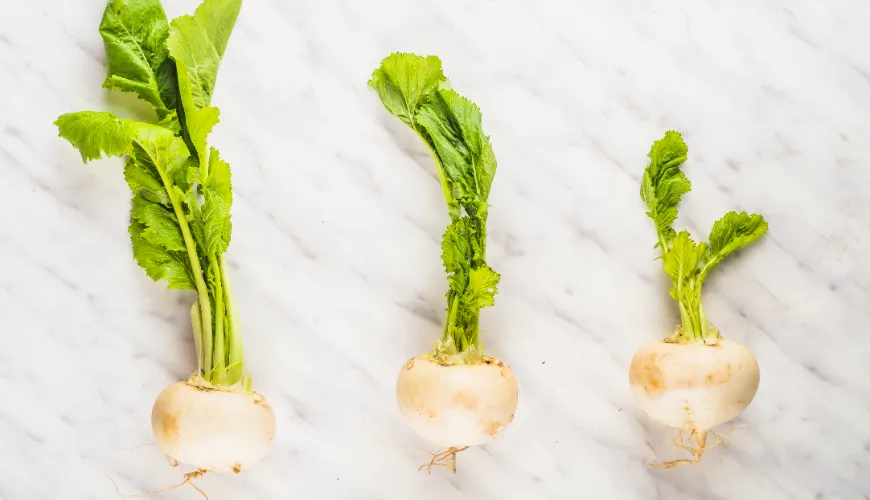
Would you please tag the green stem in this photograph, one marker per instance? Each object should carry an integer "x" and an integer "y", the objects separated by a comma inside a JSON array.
[
  {"x": 702, "y": 316},
  {"x": 196, "y": 270},
  {"x": 236, "y": 355},
  {"x": 463, "y": 343},
  {"x": 219, "y": 348},
  {"x": 663, "y": 245},
  {"x": 196, "y": 322},
  {"x": 450, "y": 321},
  {"x": 446, "y": 333},
  {"x": 480, "y": 233},
  {"x": 686, "y": 321},
  {"x": 710, "y": 264}
]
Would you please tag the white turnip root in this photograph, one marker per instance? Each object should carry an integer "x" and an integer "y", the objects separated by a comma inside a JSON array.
[
  {"x": 694, "y": 379},
  {"x": 695, "y": 386},
  {"x": 214, "y": 430},
  {"x": 455, "y": 406}
]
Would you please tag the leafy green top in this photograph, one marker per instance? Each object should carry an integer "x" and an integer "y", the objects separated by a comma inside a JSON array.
[
  {"x": 687, "y": 262},
  {"x": 180, "y": 215},
  {"x": 414, "y": 89}
]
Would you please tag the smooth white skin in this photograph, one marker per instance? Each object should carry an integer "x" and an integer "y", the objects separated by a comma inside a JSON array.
[
  {"x": 457, "y": 405},
  {"x": 693, "y": 386},
  {"x": 213, "y": 430}
]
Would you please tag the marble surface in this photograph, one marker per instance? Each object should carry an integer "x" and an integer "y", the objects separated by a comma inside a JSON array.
[{"x": 338, "y": 217}]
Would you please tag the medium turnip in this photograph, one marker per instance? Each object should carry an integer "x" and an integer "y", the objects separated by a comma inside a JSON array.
[
  {"x": 454, "y": 396},
  {"x": 180, "y": 218}
]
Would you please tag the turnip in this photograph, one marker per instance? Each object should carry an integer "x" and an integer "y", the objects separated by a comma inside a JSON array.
[
  {"x": 216, "y": 430},
  {"x": 454, "y": 396},
  {"x": 180, "y": 218},
  {"x": 693, "y": 379}
]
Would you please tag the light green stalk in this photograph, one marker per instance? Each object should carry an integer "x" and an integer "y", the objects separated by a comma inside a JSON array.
[
  {"x": 236, "y": 353},
  {"x": 201, "y": 289},
  {"x": 219, "y": 315}
]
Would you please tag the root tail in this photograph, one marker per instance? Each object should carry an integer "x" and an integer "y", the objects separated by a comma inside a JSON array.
[
  {"x": 446, "y": 458},
  {"x": 188, "y": 479},
  {"x": 147, "y": 443},
  {"x": 700, "y": 439}
]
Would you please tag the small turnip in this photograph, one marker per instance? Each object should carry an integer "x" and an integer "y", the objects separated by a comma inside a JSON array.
[{"x": 694, "y": 379}]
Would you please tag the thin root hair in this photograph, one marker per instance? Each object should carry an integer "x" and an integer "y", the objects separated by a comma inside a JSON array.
[
  {"x": 446, "y": 458},
  {"x": 188, "y": 479},
  {"x": 700, "y": 446}
]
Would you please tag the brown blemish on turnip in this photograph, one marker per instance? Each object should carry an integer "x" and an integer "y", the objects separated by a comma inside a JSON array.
[
  {"x": 198, "y": 388},
  {"x": 719, "y": 376},
  {"x": 646, "y": 372},
  {"x": 260, "y": 400},
  {"x": 237, "y": 468},
  {"x": 492, "y": 427},
  {"x": 409, "y": 364},
  {"x": 417, "y": 403},
  {"x": 169, "y": 424},
  {"x": 465, "y": 400},
  {"x": 431, "y": 413}
]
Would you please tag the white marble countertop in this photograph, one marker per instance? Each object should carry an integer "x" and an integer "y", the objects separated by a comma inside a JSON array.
[{"x": 338, "y": 217}]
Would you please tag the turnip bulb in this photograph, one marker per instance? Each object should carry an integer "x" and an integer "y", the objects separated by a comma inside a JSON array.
[
  {"x": 457, "y": 406},
  {"x": 214, "y": 430}
]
